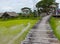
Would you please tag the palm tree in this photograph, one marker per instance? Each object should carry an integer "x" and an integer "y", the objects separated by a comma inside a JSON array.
[{"x": 26, "y": 11}]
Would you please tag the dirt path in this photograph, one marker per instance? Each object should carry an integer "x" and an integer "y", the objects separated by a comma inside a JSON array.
[
  {"x": 17, "y": 36},
  {"x": 42, "y": 35}
]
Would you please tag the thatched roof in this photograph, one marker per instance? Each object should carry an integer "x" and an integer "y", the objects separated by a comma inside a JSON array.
[
  {"x": 1, "y": 14},
  {"x": 53, "y": 6},
  {"x": 12, "y": 13}
]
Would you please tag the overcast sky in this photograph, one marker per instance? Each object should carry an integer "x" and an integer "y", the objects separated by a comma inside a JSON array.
[{"x": 16, "y": 5}]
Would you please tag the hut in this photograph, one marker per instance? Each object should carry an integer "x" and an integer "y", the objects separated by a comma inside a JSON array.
[
  {"x": 54, "y": 9},
  {"x": 1, "y": 15},
  {"x": 9, "y": 15}
]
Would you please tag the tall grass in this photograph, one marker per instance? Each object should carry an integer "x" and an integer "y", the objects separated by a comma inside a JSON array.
[{"x": 54, "y": 23}]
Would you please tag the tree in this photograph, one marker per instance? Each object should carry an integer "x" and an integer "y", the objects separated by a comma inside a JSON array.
[
  {"x": 45, "y": 5},
  {"x": 26, "y": 11}
]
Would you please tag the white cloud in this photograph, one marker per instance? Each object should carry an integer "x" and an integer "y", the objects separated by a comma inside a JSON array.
[
  {"x": 6, "y": 8},
  {"x": 16, "y": 5}
]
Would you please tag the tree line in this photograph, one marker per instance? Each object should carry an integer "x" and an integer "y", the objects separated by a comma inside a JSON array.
[{"x": 42, "y": 6}]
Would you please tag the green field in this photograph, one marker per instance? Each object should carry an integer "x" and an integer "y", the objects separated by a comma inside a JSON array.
[
  {"x": 10, "y": 30},
  {"x": 55, "y": 24}
]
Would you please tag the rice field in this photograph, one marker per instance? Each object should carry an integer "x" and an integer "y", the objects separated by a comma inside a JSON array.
[
  {"x": 14, "y": 31},
  {"x": 55, "y": 24}
]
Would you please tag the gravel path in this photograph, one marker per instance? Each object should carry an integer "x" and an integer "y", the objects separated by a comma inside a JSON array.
[{"x": 42, "y": 35}]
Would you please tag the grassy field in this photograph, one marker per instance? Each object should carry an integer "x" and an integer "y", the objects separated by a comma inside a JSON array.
[
  {"x": 11, "y": 28},
  {"x": 55, "y": 24}
]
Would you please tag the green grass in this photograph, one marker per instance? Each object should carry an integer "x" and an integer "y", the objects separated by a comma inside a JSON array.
[
  {"x": 55, "y": 24},
  {"x": 10, "y": 28}
]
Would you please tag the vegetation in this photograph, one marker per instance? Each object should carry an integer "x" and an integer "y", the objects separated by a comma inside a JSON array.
[
  {"x": 44, "y": 5},
  {"x": 26, "y": 11},
  {"x": 12, "y": 27},
  {"x": 55, "y": 24}
]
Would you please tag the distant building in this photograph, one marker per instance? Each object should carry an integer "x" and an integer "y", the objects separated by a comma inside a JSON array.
[
  {"x": 1, "y": 15},
  {"x": 55, "y": 8},
  {"x": 8, "y": 15},
  {"x": 58, "y": 11}
]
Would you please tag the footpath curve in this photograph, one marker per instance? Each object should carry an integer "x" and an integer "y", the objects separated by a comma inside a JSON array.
[{"x": 43, "y": 34}]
